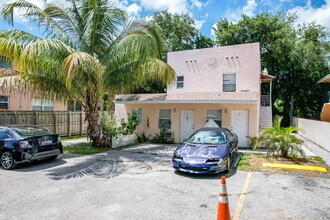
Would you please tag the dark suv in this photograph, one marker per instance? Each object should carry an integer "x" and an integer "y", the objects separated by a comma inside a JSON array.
[{"x": 26, "y": 144}]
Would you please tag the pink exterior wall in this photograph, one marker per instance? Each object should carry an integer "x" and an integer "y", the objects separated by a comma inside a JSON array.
[
  {"x": 151, "y": 111},
  {"x": 203, "y": 69},
  {"x": 23, "y": 102}
]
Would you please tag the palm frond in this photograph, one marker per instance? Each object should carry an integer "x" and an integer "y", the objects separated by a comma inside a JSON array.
[
  {"x": 35, "y": 14},
  {"x": 12, "y": 43},
  {"x": 81, "y": 68}
]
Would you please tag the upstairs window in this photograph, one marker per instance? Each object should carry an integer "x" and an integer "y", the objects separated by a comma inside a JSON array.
[
  {"x": 138, "y": 113},
  {"x": 215, "y": 115},
  {"x": 164, "y": 119},
  {"x": 179, "y": 82},
  {"x": 42, "y": 105},
  {"x": 74, "y": 106},
  {"x": 4, "y": 102},
  {"x": 229, "y": 82}
]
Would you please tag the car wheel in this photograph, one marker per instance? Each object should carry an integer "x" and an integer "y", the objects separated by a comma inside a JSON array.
[
  {"x": 228, "y": 164},
  {"x": 7, "y": 160},
  {"x": 52, "y": 157}
]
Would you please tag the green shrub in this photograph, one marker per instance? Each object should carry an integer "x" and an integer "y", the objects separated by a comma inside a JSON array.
[
  {"x": 142, "y": 138},
  {"x": 111, "y": 128},
  {"x": 160, "y": 138},
  {"x": 281, "y": 141}
]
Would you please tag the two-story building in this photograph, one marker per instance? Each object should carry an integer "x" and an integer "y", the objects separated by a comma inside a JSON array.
[{"x": 221, "y": 83}]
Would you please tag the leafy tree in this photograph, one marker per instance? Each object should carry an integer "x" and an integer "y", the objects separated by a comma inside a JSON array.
[
  {"x": 203, "y": 41},
  {"x": 179, "y": 31},
  {"x": 295, "y": 55},
  {"x": 90, "y": 46}
]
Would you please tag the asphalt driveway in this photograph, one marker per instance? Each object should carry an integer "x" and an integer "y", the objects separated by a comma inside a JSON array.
[{"x": 139, "y": 183}]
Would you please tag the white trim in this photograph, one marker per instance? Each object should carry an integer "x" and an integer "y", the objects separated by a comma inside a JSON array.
[{"x": 189, "y": 102}]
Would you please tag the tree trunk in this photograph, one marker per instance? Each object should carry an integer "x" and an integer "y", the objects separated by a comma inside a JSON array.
[
  {"x": 94, "y": 129},
  {"x": 291, "y": 110}
]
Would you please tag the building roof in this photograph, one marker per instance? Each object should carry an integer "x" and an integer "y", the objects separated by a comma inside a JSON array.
[
  {"x": 325, "y": 79},
  {"x": 198, "y": 97}
]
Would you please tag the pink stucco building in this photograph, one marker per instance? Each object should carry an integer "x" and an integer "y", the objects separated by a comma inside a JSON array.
[
  {"x": 15, "y": 99},
  {"x": 220, "y": 83}
]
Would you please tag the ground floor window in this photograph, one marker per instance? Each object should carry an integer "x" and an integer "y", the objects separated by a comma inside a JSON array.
[
  {"x": 4, "y": 102},
  {"x": 74, "y": 106},
  {"x": 164, "y": 121},
  {"x": 138, "y": 113},
  {"x": 215, "y": 115},
  {"x": 42, "y": 104}
]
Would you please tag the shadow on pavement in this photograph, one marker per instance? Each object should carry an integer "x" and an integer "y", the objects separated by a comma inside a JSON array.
[{"x": 39, "y": 165}]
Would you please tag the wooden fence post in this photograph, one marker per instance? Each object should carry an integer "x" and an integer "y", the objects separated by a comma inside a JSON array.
[
  {"x": 16, "y": 118},
  {"x": 69, "y": 124},
  {"x": 81, "y": 123},
  {"x": 36, "y": 115},
  {"x": 55, "y": 122}
]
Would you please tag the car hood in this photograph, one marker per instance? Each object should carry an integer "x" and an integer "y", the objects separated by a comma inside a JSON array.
[{"x": 202, "y": 151}]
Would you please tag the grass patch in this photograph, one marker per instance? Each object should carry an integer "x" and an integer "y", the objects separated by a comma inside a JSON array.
[
  {"x": 319, "y": 159},
  {"x": 72, "y": 138},
  {"x": 84, "y": 148},
  {"x": 244, "y": 162},
  {"x": 254, "y": 162}
]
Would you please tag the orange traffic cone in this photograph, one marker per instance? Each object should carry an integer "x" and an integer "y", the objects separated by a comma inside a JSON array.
[{"x": 223, "y": 205}]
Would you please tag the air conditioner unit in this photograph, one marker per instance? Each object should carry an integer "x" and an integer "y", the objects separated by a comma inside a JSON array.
[{"x": 169, "y": 134}]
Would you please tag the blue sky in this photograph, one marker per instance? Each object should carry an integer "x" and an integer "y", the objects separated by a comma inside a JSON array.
[{"x": 207, "y": 12}]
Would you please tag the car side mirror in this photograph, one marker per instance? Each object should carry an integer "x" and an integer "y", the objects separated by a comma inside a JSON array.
[{"x": 184, "y": 140}]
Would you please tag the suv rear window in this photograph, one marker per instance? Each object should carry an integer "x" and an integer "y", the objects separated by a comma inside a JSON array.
[{"x": 31, "y": 131}]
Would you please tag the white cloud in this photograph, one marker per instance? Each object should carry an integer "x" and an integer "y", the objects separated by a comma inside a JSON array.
[
  {"x": 18, "y": 18},
  {"x": 173, "y": 6},
  {"x": 320, "y": 15},
  {"x": 250, "y": 7},
  {"x": 133, "y": 9},
  {"x": 196, "y": 3},
  {"x": 149, "y": 18},
  {"x": 212, "y": 31},
  {"x": 234, "y": 15},
  {"x": 199, "y": 24}
]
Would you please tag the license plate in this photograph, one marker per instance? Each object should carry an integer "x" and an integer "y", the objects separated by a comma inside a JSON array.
[{"x": 45, "y": 142}]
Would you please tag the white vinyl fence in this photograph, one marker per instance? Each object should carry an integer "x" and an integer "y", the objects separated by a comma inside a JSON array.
[
  {"x": 125, "y": 140},
  {"x": 316, "y": 131}
]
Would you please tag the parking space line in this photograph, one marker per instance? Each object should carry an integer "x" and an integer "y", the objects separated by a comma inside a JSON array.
[{"x": 239, "y": 207}]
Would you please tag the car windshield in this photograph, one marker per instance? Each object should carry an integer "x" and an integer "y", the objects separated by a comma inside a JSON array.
[
  {"x": 31, "y": 131},
  {"x": 208, "y": 137}
]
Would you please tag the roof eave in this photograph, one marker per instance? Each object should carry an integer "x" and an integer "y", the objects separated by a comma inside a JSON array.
[{"x": 189, "y": 102}]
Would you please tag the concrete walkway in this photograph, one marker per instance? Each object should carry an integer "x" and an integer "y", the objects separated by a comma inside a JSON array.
[{"x": 313, "y": 149}]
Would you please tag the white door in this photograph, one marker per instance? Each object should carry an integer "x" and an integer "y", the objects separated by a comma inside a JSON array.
[
  {"x": 240, "y": 126},
  {"x": 187, "y": 124}
]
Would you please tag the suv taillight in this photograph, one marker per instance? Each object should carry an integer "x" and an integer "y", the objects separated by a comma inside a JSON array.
[{"x": 25, "y": 144}]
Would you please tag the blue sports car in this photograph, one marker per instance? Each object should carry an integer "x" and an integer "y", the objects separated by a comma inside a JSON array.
[{"x": 208, "y": 150}]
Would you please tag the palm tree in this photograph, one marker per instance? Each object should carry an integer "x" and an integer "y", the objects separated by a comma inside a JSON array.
[
  {"x": 281, "y": 140},
  {"x": 89, "y": 46}
]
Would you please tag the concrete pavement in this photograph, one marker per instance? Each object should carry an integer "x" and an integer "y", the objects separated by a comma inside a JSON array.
[{"x": 140, "y": 183}]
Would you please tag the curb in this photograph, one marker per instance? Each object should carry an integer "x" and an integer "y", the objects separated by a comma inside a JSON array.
[{"x": 295, "y": 167}]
